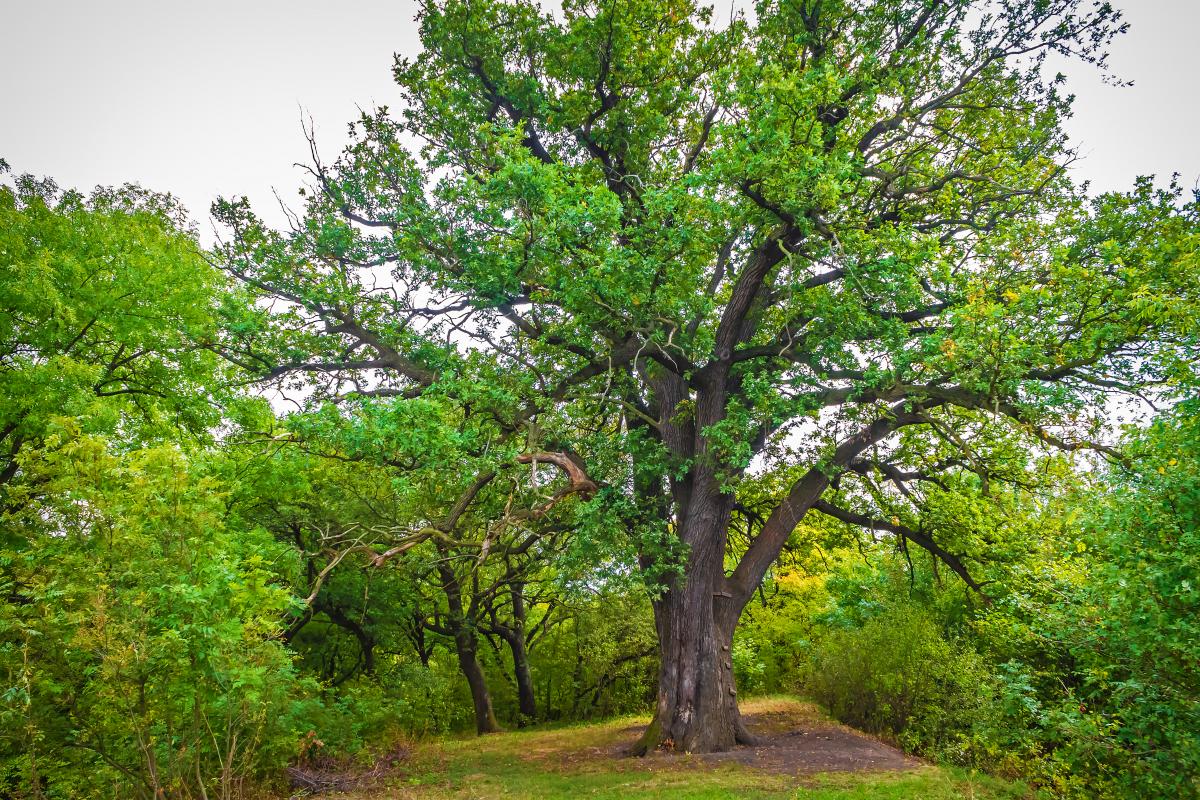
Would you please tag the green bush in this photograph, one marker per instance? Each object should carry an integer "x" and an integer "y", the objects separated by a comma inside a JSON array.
[
  {"x": 897, "y": 675},
  {"x": 138, "y": 659},
  {"x": 359, "y": 718},
  {"x": 1083, "y": 676},
  {"x": 1104, "y": 644}
]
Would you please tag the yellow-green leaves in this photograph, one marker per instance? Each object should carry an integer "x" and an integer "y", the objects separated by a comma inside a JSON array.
[{"x": 106, "y": 305}]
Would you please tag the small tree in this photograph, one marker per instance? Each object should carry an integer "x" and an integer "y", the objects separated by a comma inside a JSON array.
[{"x": 836, "y": 242}]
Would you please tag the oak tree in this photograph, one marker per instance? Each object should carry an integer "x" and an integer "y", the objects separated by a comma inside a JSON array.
[{"x": 833, "y": 241}]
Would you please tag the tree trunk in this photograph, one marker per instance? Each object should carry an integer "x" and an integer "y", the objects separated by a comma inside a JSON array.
[
  {"x": 466, "y": 645},
  {"x": 697, "y": 707},
  {"x": 515, "y": 637},
  {"x": 526, "y": 700},
  {"x": 366, "y": 642},
  {"x": 416, "y": 634}
]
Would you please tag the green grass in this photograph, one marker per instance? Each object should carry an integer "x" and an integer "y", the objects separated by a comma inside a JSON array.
[{"x": 581, "y": 761}]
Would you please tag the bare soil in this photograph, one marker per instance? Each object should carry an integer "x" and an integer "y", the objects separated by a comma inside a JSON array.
[{"x": 794, "y": 741}]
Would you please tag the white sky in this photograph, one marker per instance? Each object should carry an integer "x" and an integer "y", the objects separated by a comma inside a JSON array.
[{"x": 205, "y": 98}]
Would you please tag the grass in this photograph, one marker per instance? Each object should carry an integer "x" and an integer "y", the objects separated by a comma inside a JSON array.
[{"x": 583, "y": 761}]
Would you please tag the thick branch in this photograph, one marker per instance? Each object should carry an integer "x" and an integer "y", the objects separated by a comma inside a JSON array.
[
  {"x": 805, "y": 492},
  {"x": 925, "y": 541}
]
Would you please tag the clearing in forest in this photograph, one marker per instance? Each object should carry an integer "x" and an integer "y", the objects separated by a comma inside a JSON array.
[{"x": 802, "y": 754}]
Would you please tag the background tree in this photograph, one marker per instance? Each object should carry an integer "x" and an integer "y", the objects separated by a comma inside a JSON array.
[
  {"x": 106, "y": 305},
  {"x": 837, "y": 242},
  {"x": 137, "y": 649},
  {"x": 398, "y": 519}
]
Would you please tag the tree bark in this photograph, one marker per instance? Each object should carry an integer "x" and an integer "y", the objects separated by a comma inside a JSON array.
[
  {"x": 697, "y": 708},
  {"x": 466, "y": 645},
  {"x": 515, "y": 637}
]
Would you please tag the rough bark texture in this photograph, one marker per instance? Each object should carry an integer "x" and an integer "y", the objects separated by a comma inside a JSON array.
[
  {"x": 697, "y": 708},
  {"x": 697, "y": 697}
]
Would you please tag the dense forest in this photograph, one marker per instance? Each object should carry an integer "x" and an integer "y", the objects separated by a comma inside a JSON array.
[{"x": 641, "y": 360}]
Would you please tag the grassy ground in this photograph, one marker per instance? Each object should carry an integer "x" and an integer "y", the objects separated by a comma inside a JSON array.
[{"x": 584, "y": 761}]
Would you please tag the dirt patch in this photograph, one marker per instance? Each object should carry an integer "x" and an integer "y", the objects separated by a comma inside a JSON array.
[
  {"x": 319, "y": 773},
  {"x": 797, "y": 744}
]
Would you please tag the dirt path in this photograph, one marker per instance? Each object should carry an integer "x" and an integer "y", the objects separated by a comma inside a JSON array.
[{"x": 794, "y": 741}]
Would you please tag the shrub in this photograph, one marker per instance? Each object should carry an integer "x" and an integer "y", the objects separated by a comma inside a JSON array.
[
  {"x": 1107, "y": 640},
  {"x": 897, "y": 675},
  {"x": 138, "y": 658}
]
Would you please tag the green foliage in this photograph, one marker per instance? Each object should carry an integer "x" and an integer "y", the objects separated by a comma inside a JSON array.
[
  {"x": 669, "y": 244},
  {"x": 899, "y": 675},
  {"x": 1104, "y": 660},
  {"x": 1081, "y": 675},
  {"x": 818, "y": 270},
  {"x": 137, "y": 645},
  {"x": 360, "y": 717},
  {"x": 773, "y": 643},
  {"x": 136, "y": 634},
  {"x": 600, "y": 661},
  {"x": 105, "y": 305}
]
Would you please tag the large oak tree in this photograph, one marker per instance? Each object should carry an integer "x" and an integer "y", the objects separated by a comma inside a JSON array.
[{"x": 833, "y": 241}]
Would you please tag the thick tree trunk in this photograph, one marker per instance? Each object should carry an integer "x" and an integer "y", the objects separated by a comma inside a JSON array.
[{"x": 697, "y": 707}]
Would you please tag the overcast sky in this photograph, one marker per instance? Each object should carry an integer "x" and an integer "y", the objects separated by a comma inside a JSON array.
[{"x": 205, "y": 98}]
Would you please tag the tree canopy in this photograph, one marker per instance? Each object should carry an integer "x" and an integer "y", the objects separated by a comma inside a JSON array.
[
  {"x": 836, "y": 242},
  {"x": 104, "y": 307}
]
